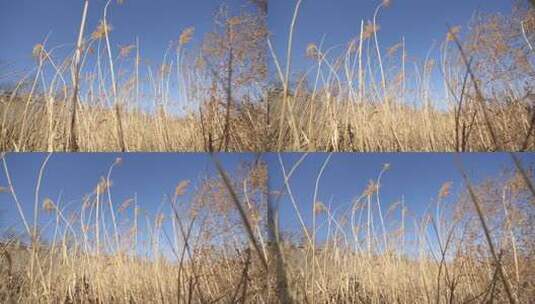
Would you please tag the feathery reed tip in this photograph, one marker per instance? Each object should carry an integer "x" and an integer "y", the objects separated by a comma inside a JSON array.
[
  {"x": 186, "y": 36},
  {"x": 234, "y": 21},
  {"x": 444, "y": 190},
  {"x": 181, "y": 188},
  {"x": 48, "y": 205},
  {"x": 124, "y": 51},
  {"x": 103, "y": 28},
  {"x": 453, "y": 32},
  {"x": 319, "y": 207},
  {"x": 37, "y": 51},
  {"x": 371, "y": 188},
  {"x": 312, "y": 51}
]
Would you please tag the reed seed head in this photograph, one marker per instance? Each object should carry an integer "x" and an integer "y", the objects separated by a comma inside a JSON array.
[
  {"x": 452, "y": 33},
  {"x": 186, "y": 36},
  {"x": 371, "y": 188},
  {"x": 319, "y": 207},
  {"x": 127, "y": 203},
  {"x": 124, "y": 51},
  {"x": 38, "y": 51},
  {"x": 48, "y": 205},
  {"x": 370, "y": 29},
  {"x": 102, "y": 29},
  {"x": 445, "y": 190},
  {"x": 312, "y": 51},
  {"x": 181, "y": 188}
]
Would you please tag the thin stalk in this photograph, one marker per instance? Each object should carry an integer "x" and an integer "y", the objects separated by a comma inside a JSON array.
[
  {"x": 477, "y": 205},
  {"x": 120, "y": 132},
  {"x": 73, "y": 141}
]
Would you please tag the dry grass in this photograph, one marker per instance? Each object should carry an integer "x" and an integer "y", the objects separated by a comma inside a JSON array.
[
  {"x": 209, "y": 244},
  {"x": 98, "y": 97},
  {"x": 476, "y": 95},
  {"x": 473, "y": 93},
  {"x": 122, "y": 279},
  {"x": 101, "y": 251},
  {"x": 376, "y": 252},
  {"x": 47, "y": 128},
  {"x": 343, "y": 126}
]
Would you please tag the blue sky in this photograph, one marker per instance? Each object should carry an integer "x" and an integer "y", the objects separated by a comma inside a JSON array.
[
  {"x": 421, "y": 22},
  {"x": 72, "y": 175},
  {"x": 417, "y": 177},
  {"x": 23, "y": 23}
]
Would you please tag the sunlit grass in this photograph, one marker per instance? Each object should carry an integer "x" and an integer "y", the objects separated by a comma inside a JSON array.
[
  {"x": 192, "y": 248},
  {"x": 472, "y": 93},
  {"x": 368, "y": 250}
]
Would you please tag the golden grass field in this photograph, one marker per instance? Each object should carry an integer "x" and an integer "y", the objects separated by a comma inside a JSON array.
[
  {"x": 103, "y": 251},
  {"x": 383, "y": 252},
  {"x": 361, "y": 98},
  {"x": 220, "y": 239},
  {"x": 365, "y": 99},
  {"x": 217, "y": 245}
]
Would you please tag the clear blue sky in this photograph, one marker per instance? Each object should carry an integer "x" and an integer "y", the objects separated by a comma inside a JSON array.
[
  {"x": 150, "y": 176},
  {"x": 421, "y": 22},
  {"x": 23, "y": 23},
  {"x": 417, "y": 177}
]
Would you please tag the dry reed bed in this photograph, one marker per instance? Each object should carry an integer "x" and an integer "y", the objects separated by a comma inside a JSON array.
[
  {"x": 345, "y": 278},
  {"x": 68, "y": 277},
  {"x": 368, "y": 251},
  {"x": 366, "y": 127},
  {"x": 47, "y": 129},
  {"x": 473, "y": 92},
  {"x": 98, "y": 97},
  {"x": 214, "y": 247},
  {"x": 102, "y": 251}
]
